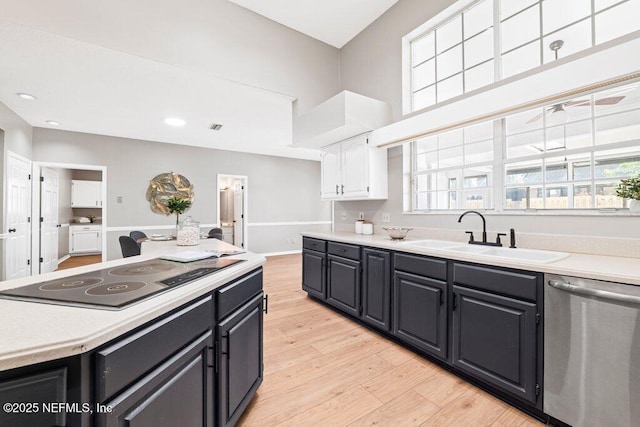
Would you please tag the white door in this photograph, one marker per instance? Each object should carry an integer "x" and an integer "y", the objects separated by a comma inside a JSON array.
[
  {"x": 330, "y": 171},
  {"x": 18, "y": 248},
  {"x": 355, "y": 167},
  {"x": 49, "y": 223},
  {"x": 238, "y": 214}
]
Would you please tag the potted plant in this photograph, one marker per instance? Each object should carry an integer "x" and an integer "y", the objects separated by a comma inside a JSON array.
[
  {"x": 630, "y": 189},
  {"x": 91, "y": 218},
  {"x": 177, "y": 206}
]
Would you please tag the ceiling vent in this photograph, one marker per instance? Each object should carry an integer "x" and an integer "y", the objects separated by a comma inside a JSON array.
[{"x": 216, "y": 126}]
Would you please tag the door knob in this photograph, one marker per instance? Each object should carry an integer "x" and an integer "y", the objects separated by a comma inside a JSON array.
[{"x": 12, "y": 230}]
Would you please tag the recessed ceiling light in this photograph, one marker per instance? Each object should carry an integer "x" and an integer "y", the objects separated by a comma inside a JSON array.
[
  {"x": 53, "y": 123},
  {"x": 26, "y": 96},
  {"x": 174, "y": 121}
]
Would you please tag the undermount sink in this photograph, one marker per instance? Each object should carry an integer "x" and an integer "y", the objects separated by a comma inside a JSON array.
[{"x": 515, "y": 254}]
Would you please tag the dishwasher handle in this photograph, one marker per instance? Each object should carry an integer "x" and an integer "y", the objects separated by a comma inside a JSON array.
[{"x": 581, "y": 290}]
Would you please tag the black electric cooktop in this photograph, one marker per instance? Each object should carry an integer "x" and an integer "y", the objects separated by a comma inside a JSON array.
[{"x": 118, "y": 287}]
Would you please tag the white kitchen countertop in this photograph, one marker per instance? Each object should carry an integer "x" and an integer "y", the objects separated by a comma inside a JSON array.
[
  {"x": 33, "y": 332},
  {"x": 599, "y": 267}
]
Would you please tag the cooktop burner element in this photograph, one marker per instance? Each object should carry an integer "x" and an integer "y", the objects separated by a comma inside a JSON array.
[
  {"x": 70, "y": 283},
  {"x": 117, "y": 288},
  {"x": 143, "y": 269}
]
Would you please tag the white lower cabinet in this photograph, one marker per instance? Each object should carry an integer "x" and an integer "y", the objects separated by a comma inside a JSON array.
[{"x": 85, "y": 239}]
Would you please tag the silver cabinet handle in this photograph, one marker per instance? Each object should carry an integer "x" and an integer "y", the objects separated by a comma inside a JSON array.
[{"x": 580, "y": 290}]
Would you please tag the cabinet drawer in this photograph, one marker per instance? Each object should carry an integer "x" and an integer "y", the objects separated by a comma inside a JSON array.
[
  {"x": 314, "y": 244},
  {"x": 234, "y": 295},
  {"x": 344, "y": 250},
  {"x": 125, "y": 361},
  {"x": 422, "y": 266},
  {"x": 517, "y": 284}
]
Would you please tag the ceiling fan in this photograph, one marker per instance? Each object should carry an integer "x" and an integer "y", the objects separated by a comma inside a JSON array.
[{"x": 557, "y": 113}]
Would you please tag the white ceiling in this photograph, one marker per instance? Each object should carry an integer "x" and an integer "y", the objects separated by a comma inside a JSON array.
[{"x": 334, "y": 22}]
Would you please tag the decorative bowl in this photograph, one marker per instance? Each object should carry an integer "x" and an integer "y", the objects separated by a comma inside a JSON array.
[{"x": 397, "y": 233}]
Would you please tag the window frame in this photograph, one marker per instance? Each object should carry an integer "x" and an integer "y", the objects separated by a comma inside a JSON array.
[{"x": 501, "y": 162}]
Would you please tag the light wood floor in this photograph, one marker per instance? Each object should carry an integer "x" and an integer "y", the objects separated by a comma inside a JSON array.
[
  {"x": 322, "y": 369},
  {"x": 77, "y": 261}
]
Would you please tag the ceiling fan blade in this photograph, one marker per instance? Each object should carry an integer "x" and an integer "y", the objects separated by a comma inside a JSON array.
[
  {"x": 578, "y": 103},
  {"x": 534, "y": 118},
  {"x": 611, "y": 100}
]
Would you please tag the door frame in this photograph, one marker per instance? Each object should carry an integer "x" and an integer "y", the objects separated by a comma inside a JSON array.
[
  {"x": 245, "y": 203},
  {"x": 35, "y": 203}
]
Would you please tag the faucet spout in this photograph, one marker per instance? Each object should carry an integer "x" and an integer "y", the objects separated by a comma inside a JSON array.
[{"x": 484, "y": 223}]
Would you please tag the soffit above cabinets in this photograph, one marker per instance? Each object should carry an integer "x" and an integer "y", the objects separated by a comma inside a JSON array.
[
  {"x": 334, "y": 22},
  {"x": 341, "y": 117}
]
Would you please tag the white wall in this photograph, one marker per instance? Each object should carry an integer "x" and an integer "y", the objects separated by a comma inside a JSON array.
[{"x": 214, "y": 36}]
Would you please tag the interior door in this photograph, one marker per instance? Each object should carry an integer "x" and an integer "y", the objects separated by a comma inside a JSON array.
[
  {"x": 17, "y": 254},
  {"x": 238, "y": 214},
  {"x": 49, "y": 224}
]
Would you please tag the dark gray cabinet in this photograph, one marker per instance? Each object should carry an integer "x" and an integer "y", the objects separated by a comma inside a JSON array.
[
  {"x": 420, "y": 303},
  {"x": 376, "y": 288},
  {"x": 314, "y": 277},
  {"x": 314, "y": 259},
  {"x": 343, "y": 284},
  {"x": 178, "y": 392},
  {"x": 496, "y": 335},
  {"x": 28, "y": 393},
  {"x": 420, "y": 312},
  {"x": 239, "y": 339}
]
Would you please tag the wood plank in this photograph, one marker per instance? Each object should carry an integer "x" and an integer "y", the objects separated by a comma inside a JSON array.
[
  {"x": 408, "y": 409},
  {"x": 443, "y": 388},
  {"x": 473, "y": 408}
]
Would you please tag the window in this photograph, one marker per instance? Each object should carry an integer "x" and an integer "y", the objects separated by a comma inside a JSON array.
[
  {"x": 570, "y": 155},
  {"x": 454, "y": 170},
  {"x": 459, "y": 53}
]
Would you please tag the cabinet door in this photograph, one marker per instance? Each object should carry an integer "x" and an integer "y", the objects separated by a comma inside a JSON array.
[
  {"x": 420, "y": 312},
  {"x": 179, "y": 392},
  {"x": 376, "y": 288},
  {"x": 239, "y": 341},
  {"x": 314, "y": 278},
  {"x": 30, "y": 390},
  {"x": 494, "y": 339},
  {"x": 343, "y": 284},
  {"x": 85, "y": 241},
  {"x": 87, "y": 194},
  {"x": 355, "y": 167},
  {"x": 330, "y": 171}
]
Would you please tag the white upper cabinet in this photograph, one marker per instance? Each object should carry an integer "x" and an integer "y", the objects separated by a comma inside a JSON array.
[
  {"x": 354, "y": 170},
  {"x": 86, "y": 194}
]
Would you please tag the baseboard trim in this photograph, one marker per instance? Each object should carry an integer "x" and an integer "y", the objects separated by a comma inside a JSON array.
[
  {"x": 282, "y": 253},
  {"x": 63, "y": 259}
]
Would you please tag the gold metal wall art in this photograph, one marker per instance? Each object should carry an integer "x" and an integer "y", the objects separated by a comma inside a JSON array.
[{"x": 165, "y": 186}]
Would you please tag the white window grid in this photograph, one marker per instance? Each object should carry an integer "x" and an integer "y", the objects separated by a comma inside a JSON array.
[
  {"x": 497, "y": 185},
  {"x": 540, "y": 41}
]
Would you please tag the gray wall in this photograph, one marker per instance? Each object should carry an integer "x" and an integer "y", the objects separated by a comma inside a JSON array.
[
  {"x": 371, "y": 63},
  {"x": 280, "y": 189}
]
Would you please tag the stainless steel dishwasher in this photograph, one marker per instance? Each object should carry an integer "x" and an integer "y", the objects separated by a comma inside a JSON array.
[{"x": 592, "y": 352}]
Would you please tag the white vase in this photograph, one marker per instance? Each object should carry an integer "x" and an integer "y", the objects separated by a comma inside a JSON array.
[{"x": 634, "y": 206}]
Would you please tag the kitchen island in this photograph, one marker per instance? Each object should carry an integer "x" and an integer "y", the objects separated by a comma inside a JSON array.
[{"x": 161, "y": 358}]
